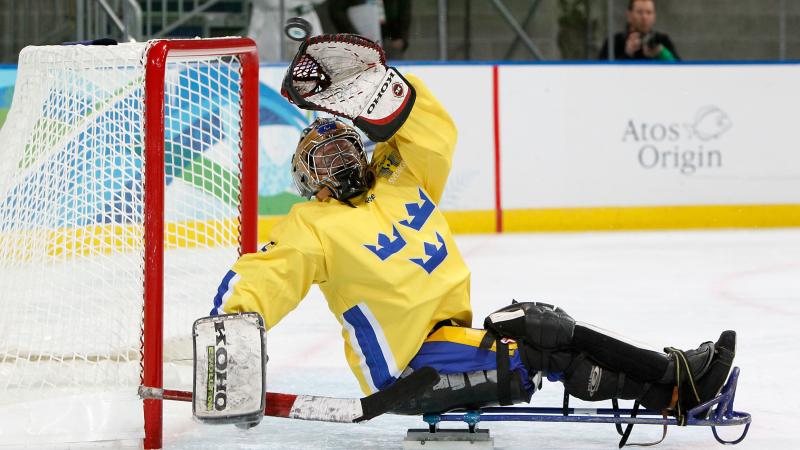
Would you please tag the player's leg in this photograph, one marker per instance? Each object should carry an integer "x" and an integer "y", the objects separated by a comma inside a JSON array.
[
  {"x": 466, "y": 390},
  {"x": 699, "y": 373},
  {"x": 612, "y": 366}
]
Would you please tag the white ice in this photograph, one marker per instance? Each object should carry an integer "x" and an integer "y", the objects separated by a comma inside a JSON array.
[{"x": 663, "y": 288}]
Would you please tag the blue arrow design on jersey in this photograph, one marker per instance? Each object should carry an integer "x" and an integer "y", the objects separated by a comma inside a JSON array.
[
  {"x": 437, "y": 255},
  {"x": 387, "y": 247},
  {"x": 419, "y": 212}
]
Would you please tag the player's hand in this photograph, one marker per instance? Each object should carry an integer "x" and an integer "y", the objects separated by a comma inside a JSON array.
[
  {"x": 346, "y": 75},
  {"x": 633, "y": 43},
  {"x": 652, "y": 52}
]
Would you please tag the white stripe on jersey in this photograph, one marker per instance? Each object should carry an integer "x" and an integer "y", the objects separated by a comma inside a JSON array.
[
  {"x": 362, "y": 360},
  {"x": 228, "y": 292},
  {"x": 382, "y": 341}
]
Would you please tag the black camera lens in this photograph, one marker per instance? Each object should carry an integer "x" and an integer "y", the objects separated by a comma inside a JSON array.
[{"x": 649, "y": 40}]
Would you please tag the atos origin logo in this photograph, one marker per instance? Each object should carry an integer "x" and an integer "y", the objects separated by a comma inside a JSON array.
[{"x": 685, "y": 146}]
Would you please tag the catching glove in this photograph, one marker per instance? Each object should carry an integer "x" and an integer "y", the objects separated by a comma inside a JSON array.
[{"x": 346, "y": 75}]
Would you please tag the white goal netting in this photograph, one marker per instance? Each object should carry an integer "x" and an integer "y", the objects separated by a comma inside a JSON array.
[{"x": 72, "y": 185}]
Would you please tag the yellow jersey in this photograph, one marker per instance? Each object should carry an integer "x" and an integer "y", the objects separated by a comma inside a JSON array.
[{"x": 389, "y": 268}]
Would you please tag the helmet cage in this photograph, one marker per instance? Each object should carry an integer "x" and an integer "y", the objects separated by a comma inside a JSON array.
[{"x": 330, "y": 154}]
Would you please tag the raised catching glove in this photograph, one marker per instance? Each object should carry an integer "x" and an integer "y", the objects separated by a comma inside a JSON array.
[{"x": 346, "y": 75}]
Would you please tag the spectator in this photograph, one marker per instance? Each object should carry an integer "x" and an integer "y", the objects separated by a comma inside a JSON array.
[
  {"x": 640, "y": 41},
  {"x": 395, "y": 26},
  {"x": 266, "y": 28},
  {"x": 360, "y": 17}
]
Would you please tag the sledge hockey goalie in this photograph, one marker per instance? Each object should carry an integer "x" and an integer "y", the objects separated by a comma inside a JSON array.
[{"x": 374, "y": 240}]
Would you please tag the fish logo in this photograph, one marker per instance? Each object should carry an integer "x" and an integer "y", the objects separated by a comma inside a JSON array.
[
  {"x": 710, "y": 122},
  {"x": 594, "y": 380}
]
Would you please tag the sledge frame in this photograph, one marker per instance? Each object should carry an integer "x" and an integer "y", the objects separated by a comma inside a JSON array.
[{"x": 721, "y": 414}]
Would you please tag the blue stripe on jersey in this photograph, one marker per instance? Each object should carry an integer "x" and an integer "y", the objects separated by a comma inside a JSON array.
[
  {"x": 223, "y": 289},
  {"x": 370, "y": 348},
  {"x": 453, "y": 357}
]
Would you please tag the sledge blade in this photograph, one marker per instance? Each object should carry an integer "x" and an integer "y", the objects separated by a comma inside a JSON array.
[{"x": 419, "y": 438}]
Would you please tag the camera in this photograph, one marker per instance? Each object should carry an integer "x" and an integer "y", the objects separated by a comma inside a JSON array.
[{"x": 649, "y": 40}]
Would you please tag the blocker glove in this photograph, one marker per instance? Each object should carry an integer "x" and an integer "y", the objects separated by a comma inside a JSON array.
[{"x": 346, "y": 75}]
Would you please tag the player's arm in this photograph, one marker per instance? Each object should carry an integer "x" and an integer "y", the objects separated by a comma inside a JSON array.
[
  {"x": 346, "y": 75},
  {"x": 273, "y": 281},
  {"x": 427, "y": 140}
]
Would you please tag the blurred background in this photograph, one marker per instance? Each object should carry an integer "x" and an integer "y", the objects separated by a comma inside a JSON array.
[{"x": 478, "y": 30}]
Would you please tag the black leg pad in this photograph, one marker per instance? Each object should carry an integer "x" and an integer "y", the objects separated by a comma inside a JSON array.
[
  {"x": 470, "y": 390},
  {"x": 540, "y": 325},
  {"x": 620, "y": 356},
  {"x": 588, "y": 381}
]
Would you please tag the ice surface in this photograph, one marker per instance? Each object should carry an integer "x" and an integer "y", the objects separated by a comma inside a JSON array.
[{"x": 662, "y": 288}]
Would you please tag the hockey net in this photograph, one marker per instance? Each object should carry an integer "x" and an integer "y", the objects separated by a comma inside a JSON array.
[{"x": 127, "y": 189}]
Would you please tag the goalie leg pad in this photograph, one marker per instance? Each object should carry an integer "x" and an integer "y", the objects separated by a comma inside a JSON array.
[
  {"x": 618, "y": 354},
  {"x": 543, "y": 331},
  {"x": 546, "y": 361},
  {"x": 645, "y": 364},
  {"x": 539, "y": 325},
  {"x": 470, "y": 390},
  {"x": 586, "y": 380}
]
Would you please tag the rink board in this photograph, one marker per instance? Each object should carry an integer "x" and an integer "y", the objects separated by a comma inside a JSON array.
[{"x": 586, "y": 146}]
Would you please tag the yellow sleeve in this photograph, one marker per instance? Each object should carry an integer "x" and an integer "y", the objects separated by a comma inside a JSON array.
[
  {"x": 427, "y": 140},
  {"x": 273, "y": 281}
]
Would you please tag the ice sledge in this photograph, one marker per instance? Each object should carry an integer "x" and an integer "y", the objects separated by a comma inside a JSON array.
[{"x": 721, "y": 414}]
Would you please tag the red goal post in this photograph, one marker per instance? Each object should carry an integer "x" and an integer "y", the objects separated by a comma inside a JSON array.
[{"x": 157, "y": 56}]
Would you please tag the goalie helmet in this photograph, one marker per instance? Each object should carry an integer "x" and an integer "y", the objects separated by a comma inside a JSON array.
[{"x": 330, "y": 154}]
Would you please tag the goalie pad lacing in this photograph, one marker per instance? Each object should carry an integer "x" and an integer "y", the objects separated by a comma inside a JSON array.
[{"x": 683, "y": 375}]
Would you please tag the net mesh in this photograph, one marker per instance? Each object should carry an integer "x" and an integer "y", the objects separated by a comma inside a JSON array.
[{"x": 72, "y": 217}]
